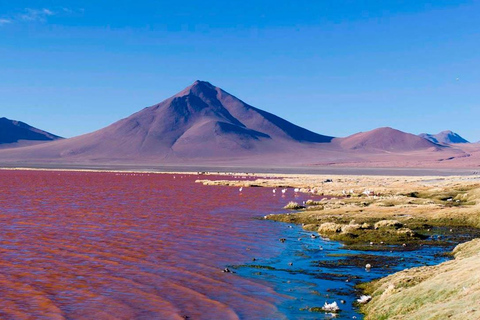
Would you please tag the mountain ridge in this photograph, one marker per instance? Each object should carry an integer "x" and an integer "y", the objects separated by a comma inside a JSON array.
[
  {"x": 386, "y": 139},
  {"x": 14, "y": 131},
  {"x": 444, "y": 137},
  {"x": 200, "y": 121},
  {"x": 204, "y": 124}
]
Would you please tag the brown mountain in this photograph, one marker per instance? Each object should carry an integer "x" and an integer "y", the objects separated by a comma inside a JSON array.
[
  {"x": 204, "y": 125},
  {"x": 200, "y": 122},
  {"x": 386, "y": 139}
]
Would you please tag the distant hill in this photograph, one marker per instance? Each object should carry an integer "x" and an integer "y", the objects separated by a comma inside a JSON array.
[
  {"x": 444, "y": 137},
  {"x": 386, "y": 139},
  {"x": 12, "y": 131}
]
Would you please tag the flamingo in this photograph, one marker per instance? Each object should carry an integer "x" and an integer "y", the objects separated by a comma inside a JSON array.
[{"x": 367, "y": 192}]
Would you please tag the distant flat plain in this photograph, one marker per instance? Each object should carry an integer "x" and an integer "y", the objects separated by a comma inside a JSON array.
[{"x": 314, "y": 170}]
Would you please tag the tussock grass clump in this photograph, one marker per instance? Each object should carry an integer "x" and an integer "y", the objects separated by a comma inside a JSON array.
[
  {"x": 292, "y": 205},
  {"x": 385, "y": 231},
  {"x": 315, "y": 208},
  {"x": 388, "y": 224},
  {"x": 329, "y": 228},
  {"x": 407, "y": 232},
  {"x": 351, "y": 228},
  {"x": 366, "y": 225},
  {"x": 313, "y": 203}
]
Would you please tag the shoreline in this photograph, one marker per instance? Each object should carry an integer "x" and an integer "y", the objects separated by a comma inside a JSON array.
[
  {"x": 402, "y": 212},
  {"x": 258, "y": 170},
  {"x": 404, "y": 207},
  {"x": 449, "y": 290}
]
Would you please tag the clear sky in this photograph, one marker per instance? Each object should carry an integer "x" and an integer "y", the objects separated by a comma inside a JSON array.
[{"x": 335, "y": 67}]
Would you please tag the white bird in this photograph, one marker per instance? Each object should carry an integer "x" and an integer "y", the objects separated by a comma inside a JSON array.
[
  {"x": 296, "y": 190},
  {"x": 364, "y": 299},
  {"x": 274, "y": 190},
  {"x": 241, "y": 188},
  {"x": 284, "y": 190},
  {"x": 367, "y": 192},
  {"x": 332, "y": 307}
]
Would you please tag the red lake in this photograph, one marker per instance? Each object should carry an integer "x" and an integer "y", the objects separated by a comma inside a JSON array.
[
  {"x": 96, "y": 245},
  {"x": 92, "y": 245}
]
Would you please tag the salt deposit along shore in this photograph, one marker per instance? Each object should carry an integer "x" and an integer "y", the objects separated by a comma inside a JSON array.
[{"x": 385, "y": 212}]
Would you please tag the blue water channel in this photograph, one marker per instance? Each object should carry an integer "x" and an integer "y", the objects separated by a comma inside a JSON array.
[{"x": 311, "y": 271}]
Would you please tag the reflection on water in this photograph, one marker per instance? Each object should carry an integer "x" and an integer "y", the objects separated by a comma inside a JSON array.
[{"x": 79, "y": 245}]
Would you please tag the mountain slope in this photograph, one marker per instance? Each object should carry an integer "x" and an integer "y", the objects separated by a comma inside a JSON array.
[
  {"x": 444, "y": 137},
  {"x": 202, "y": 121},
  {"x": 12, "y": 131},
  {"x": 386, "y": 139},
  {"x": 205, "y": 125}
]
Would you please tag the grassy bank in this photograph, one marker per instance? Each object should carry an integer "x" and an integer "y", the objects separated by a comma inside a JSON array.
[
  {"x": 450, "y": 290},
  {"x": 374, "y": 213},
  {"x": 359, "y": 210},
  {"x": 393, "y": 217}
]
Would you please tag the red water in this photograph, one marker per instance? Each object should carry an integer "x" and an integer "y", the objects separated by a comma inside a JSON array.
[{"x": 78, "y": 245}]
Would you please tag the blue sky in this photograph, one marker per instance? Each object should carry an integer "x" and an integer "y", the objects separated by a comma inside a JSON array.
[{"x": 335, "y": 67}]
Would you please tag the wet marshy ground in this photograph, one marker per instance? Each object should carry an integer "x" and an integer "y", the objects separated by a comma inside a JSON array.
[{"x": 313, "y": 271}]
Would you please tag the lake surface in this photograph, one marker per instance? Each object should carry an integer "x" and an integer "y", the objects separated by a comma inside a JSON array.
[{"x": 90, "y": 245}]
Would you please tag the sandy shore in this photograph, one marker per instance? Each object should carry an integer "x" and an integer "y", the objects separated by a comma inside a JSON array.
[
  {"x": 261, "y": 170},
  {"x": 373, "y": 212}
]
